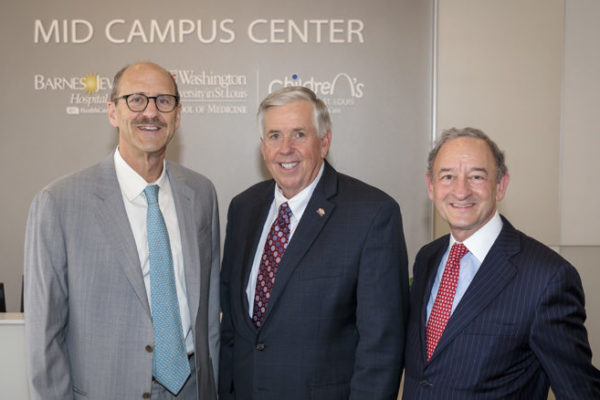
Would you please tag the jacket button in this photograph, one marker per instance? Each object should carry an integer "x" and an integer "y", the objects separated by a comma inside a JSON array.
[
  {"x": 149, "y": 349},
  {"x": 146, "y": 395},
  {"x": 425, "y": 383},
  {"x": 260, "y": 346}
]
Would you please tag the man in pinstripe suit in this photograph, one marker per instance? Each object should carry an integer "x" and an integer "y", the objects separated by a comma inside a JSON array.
[{"x": 511, "y": 324}]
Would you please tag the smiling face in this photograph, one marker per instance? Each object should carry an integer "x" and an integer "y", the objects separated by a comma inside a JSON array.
[
  {"x": 463, "y": 185},
  {"x": 146, "y": 133},
  {"x": 292, "y": 151}
]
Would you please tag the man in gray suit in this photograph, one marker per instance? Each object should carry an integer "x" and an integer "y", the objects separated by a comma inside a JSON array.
[{"x": 94, "y": 329}]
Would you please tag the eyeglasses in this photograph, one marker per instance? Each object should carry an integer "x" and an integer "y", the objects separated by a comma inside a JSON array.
[{"x": 137, "y": 102}]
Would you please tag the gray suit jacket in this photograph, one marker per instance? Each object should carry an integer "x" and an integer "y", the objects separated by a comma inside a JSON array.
[{"x": 88, "y": 323}]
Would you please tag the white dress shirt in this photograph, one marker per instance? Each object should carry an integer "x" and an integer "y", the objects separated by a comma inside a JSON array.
[
  {"x": 132, "y": 188},
  {"x": 297, "y": 204},
  {"x": 479, "y": 245}
]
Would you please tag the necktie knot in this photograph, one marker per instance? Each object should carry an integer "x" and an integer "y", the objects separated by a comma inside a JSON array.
[
  {"x": 151, "y": 192},
  {"x": 285, "y": 212},
  {"x": 457, "y": 251}
]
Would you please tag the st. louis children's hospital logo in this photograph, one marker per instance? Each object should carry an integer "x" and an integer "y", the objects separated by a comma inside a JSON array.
[{"x": 339, "y": 92}]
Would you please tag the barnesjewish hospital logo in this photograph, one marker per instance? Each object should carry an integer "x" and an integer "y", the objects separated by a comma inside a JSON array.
[
  {"x": 89, "y": 83},
  {"x": 88, "y": 92},
  {"x": 341, "y": 91}
]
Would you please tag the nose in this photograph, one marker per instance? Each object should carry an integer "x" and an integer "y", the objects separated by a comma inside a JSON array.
[
  {"x": 462, "y": 189},
  {"x": 151, "y": 108},
  {"x": 286, "y": 144}
]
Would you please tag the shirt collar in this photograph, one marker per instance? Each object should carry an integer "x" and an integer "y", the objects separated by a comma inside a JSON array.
[
  {"x": 132, "y": 184},
  {"x": 299, "y": 202},
  {"x": 480, "y": 242}
]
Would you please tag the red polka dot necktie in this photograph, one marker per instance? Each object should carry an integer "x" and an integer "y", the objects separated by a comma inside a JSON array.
[
  {"x": 275, "y": 245},
  {"x": 442, "y": 307}
]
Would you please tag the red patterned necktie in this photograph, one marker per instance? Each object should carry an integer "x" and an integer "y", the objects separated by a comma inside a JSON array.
[
  {"x": 440, "y": 313},
  {"x": 275, "y": 245}
]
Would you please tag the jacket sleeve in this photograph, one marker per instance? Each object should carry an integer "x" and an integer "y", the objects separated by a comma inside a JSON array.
[
  {"x": 559, "y": 338},
  {"x": 382, "y": 308},
  {"x": 46, "y": 302}
]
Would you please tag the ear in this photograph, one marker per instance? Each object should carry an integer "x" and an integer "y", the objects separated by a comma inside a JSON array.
[
  {"x": 429, "y": 186},
  {"x": 262, "y": 147},
  {"x": 178, "y": 116},
  {"x": 112, "y": 114},
  {"x": 502, "y": 186},
  {"x": 325, "y": 143}
]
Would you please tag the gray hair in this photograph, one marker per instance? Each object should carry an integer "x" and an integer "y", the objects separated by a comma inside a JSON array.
[
  {"x": 291, "y": 94},
  {"x": 117, "y": 80},
  {"x": 454, "y": 133}
]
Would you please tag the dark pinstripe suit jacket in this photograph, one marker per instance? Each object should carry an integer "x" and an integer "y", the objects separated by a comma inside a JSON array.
[
  {"x": 517, "y": 330},
  {"x": 334, "y": 327}
]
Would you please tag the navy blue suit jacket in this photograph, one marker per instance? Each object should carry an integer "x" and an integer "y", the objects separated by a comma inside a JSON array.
[
  {"x": 334, "y": 327},
  {"x": 517, "y": 330}
]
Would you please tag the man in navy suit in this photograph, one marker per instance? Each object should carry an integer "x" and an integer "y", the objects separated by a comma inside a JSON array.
[
  {"x": 504, "y": 320},
  {"x": 315, "y": 282}
]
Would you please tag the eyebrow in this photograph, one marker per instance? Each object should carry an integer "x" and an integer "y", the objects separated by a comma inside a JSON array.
[
  {"x": 298, "y": 129},
  {"x": 479, "y": 169},
  {"x": 476, "y": 169}
]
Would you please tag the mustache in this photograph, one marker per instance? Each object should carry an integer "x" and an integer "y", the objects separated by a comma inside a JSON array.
[{"x": 149, "y": 121}]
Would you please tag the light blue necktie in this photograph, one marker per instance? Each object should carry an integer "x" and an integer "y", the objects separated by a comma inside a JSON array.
[{"x": 171, "y": 367}]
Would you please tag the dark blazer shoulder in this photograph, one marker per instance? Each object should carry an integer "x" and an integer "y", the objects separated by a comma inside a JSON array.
[
  {"x": 357, "y": 190},
  {"x": 432, "y": 248},
  {"x": 524, "y": 251},
  {"x": 258, "y": 192},
  {"x": 256, "y": 189}
]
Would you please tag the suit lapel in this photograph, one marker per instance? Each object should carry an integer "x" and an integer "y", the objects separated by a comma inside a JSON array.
[
  {"x": 113, "y": 220},
  {"x": 495, "y": 273},
  {"x": 306, "y": 232},
  {"x": 260, "y": 209},
  {"x": 184, "y": 197}
]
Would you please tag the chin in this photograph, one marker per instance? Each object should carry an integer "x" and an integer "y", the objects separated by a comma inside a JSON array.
[{"x": 461, "y": 224}]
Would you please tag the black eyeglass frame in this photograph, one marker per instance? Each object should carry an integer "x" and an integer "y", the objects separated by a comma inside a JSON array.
[{"x": 148, "y": 98}]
